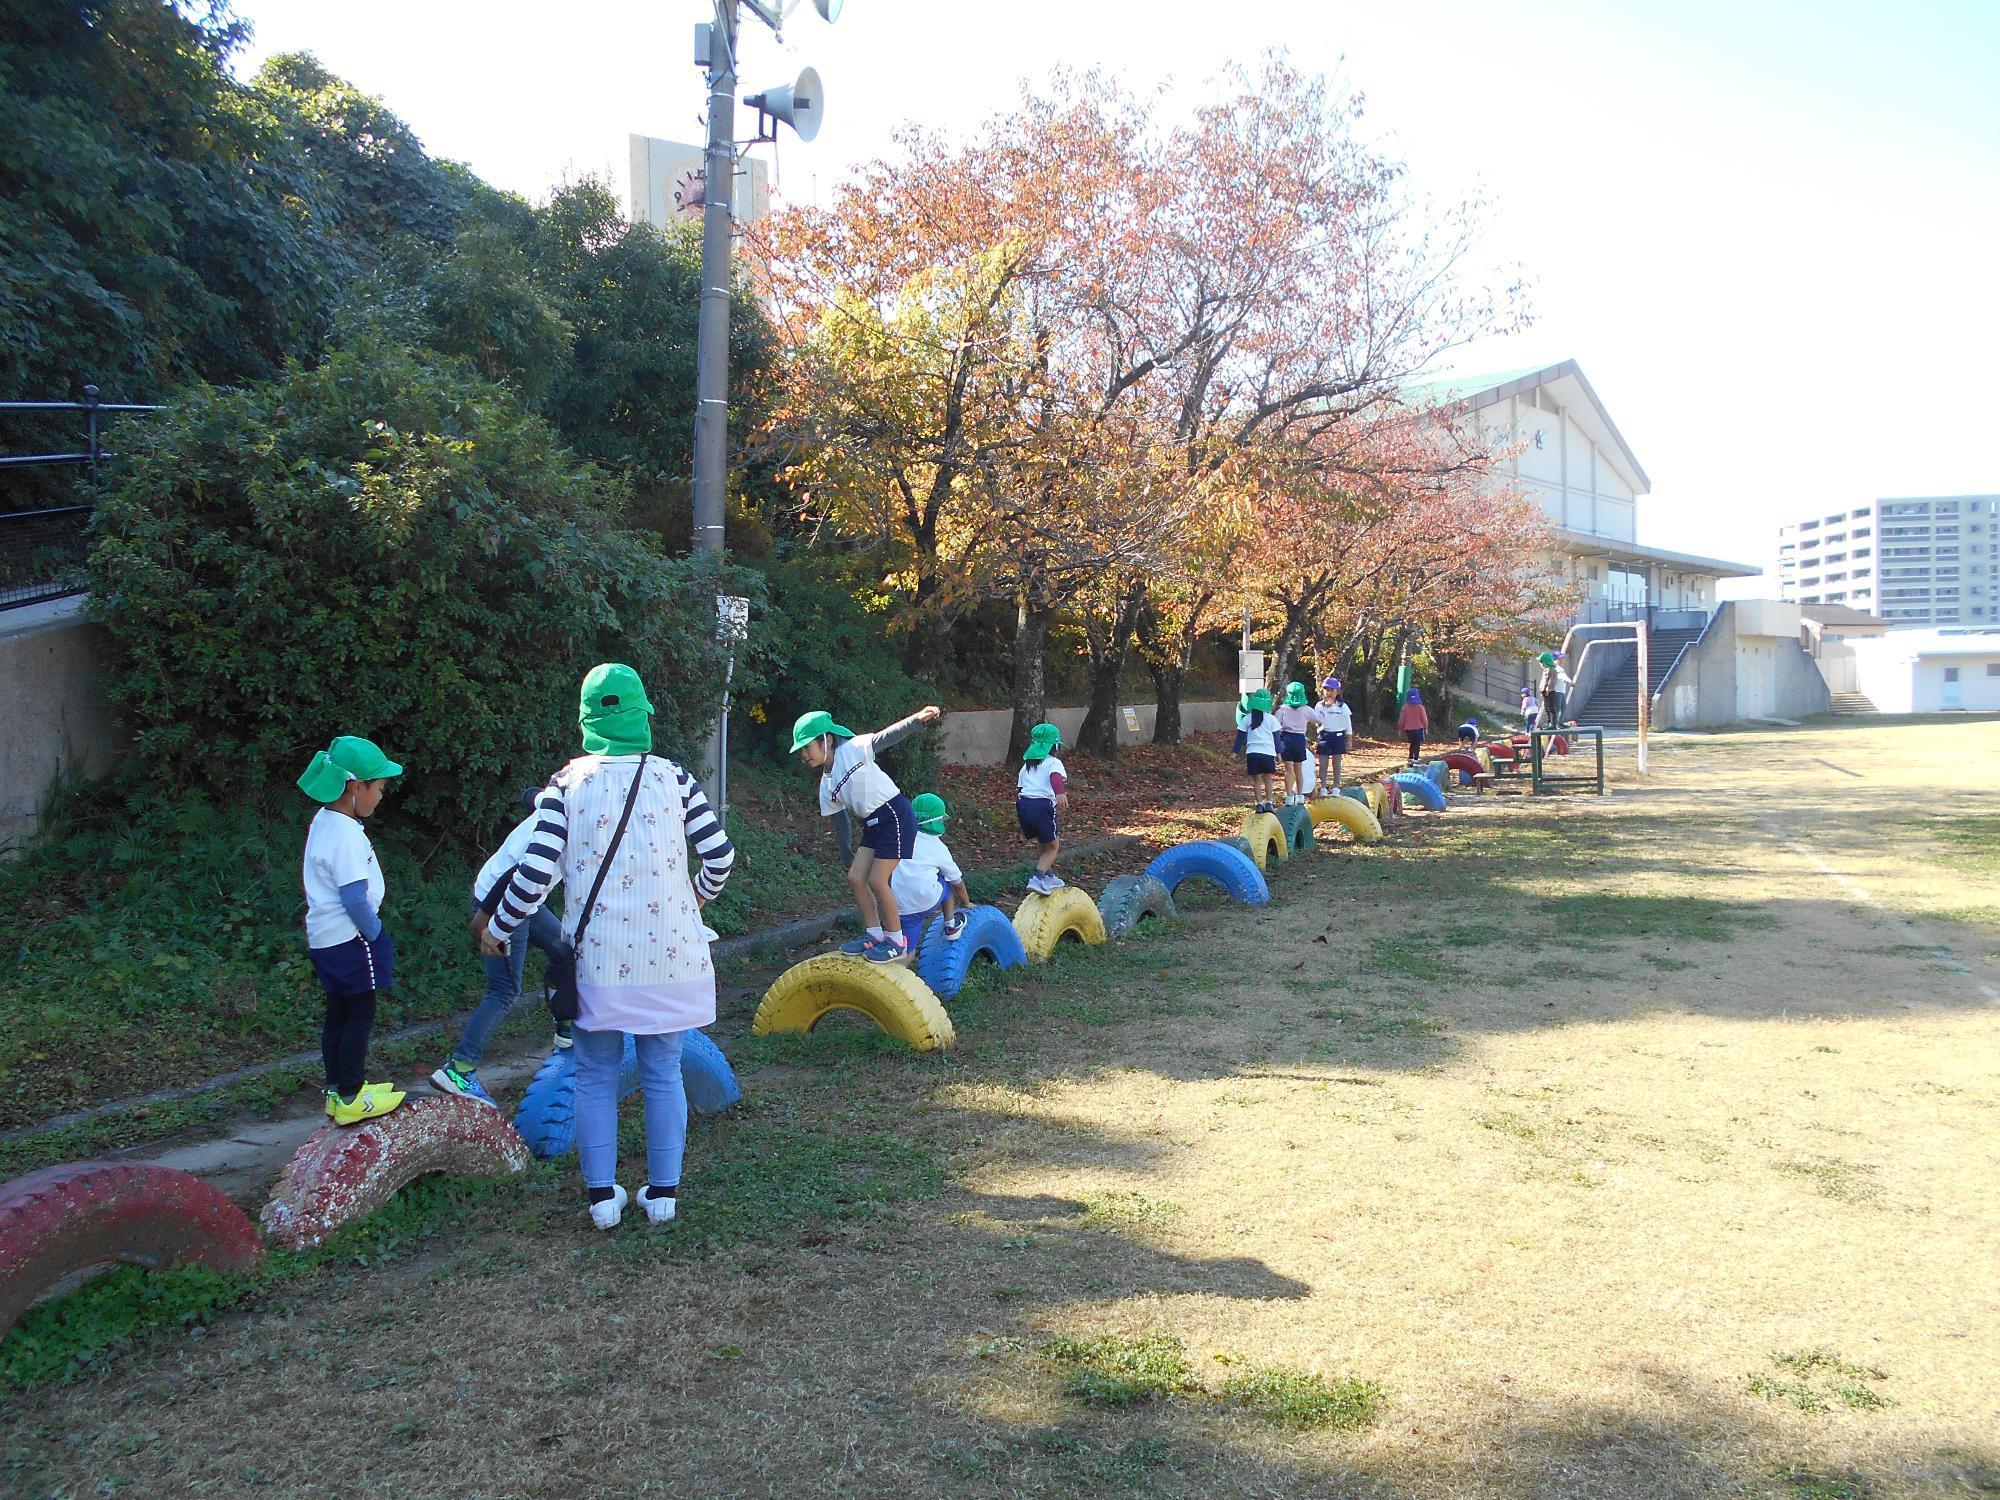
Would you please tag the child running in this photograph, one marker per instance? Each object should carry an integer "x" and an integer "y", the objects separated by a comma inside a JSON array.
[
  {"x": 352, "y": 955},
  {"x": 543, "y": 930},
  {"x": 852, "y": 782},
  {"x": 1415, "y": 719},
  {"x": 1336, "y": 723},
  {"x": 1292, "y": 721},
  {"x": 1041, "y": 790},
  {"x": 930, "y": 881},
  {"x": 1260, "y": 744}
]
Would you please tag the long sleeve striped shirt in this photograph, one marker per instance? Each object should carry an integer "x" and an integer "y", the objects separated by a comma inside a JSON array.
[{"x": 642, "y": 954}]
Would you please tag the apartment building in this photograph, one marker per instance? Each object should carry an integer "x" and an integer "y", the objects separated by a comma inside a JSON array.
[{"x": 1915, "y": 561}]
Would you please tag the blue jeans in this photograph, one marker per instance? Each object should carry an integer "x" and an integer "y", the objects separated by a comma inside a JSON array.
[
  {"x": 598, "y": 1057},
  {"x": 503, "y": 982}
]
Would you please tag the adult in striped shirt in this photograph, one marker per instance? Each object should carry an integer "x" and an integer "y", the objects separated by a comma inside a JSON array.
[{"x": 642, "y": 960}]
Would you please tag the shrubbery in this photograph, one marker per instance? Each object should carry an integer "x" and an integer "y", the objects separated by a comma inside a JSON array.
[{"x": 383, "y": 545}]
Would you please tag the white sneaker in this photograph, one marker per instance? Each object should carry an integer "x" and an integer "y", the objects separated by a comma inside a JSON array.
[
  {"x": 658, "y": 1210},
  {"x": 606, "y": 1215}
]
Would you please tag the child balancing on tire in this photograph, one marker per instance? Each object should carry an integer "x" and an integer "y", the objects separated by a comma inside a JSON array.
[
  {"x": 1041, "y": 791},
  {"x": 352, "y": 955},
  {"x": 929, "y": 883},
  {"x": 851, "y": 782}
]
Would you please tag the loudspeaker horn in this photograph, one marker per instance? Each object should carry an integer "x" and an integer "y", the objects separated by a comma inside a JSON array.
[{"x": 801, "y": 105}]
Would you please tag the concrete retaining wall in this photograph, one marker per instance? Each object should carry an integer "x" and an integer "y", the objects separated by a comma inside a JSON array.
[
  {"x": 980, "y": 738},
  {"x": 1734, "y": 673},
  {"x": 55, "y": 720}
]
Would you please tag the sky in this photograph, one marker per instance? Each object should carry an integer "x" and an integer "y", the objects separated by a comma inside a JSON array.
[{"x": 1769, "y": 233}]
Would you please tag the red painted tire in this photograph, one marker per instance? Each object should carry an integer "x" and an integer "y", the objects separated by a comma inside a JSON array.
[
  {"x": 343, "y": 1173},
  {"x": 1560, "y": 745},
  {"x": 61, "y": 1220},
  {"x": 1393, "y": 795},
  {"x": 1458, "y": 760}
]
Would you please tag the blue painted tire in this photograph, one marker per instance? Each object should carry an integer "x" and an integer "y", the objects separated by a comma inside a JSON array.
[
  {"x": 1208, "y": 859},
  {"x": 1421, "y": 789},
  {"x": 989, "y": 933},
  {"x": 546, "y": 1117},
  {"x": 1436, "y": 769},
  {"x": 1358, "y": 793}
]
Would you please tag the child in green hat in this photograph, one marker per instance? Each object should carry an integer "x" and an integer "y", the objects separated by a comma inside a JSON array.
[
  {"x": 352, "y": 955},
  {"x": 1041, "y": 790},
  {"x": 930, "y": 881},
  {"x": 1293, "y": 718},
  {"x": 852, "y": 783},
  {"x": 1259, "y": 728}
]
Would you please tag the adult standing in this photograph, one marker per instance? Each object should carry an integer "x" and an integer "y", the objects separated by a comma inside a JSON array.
[
  {"x": 617, "y": 824},
  {"x": 1554, "y": 688}
]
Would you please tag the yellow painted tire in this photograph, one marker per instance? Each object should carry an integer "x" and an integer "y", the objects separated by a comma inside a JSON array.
[
  {"x": 1044, "y": 921},
  {"x": 1378, "y": 800},
  {"x": 888, "y": 994},
  {"x": 1350, "y": 815},
  {"x": 1486, "y": 760},
  {"x": 1266, "y": 837}
]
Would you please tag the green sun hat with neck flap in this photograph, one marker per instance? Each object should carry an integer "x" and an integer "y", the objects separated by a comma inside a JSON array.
[
  {"x": 1295, "y": 695},
  {"x": 812, "y": 724},
  {"x": 1042, "y": 742},
  {"x": 1258, "y": 702},
  {"x": 930, "y": 811},
  {"x": 614, "y": 712},
  {"x": 1547, "y": 658},
  {"x": 348, "y": 758}
]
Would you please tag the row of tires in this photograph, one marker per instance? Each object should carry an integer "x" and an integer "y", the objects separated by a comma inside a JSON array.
[{"x": 59, "y": 1222}]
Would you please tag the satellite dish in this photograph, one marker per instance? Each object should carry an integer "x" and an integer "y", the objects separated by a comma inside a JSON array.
[{"x": 801, "y": 105}]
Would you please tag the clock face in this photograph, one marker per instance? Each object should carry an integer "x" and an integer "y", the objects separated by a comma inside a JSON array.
[{"x": 690, "y": 190}]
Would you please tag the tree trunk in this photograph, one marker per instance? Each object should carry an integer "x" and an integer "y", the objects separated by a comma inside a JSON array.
[
  {"x": 1031, "y": 694},
  {"x": 1287, "y": 643},
  {"x": 923, "y": 652},
  {"x": 1167, "y": 682},
  {"x": 1110, "y": 644}
]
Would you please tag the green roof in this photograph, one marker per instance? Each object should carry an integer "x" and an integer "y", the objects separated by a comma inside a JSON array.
[{"x": 1456, "y": 387}]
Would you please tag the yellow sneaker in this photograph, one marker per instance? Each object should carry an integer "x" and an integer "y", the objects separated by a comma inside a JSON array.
[{"x": 370, "y": 1102}]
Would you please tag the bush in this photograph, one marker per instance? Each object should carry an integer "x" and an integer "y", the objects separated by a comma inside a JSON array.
[{"x": 385, "y": 545}]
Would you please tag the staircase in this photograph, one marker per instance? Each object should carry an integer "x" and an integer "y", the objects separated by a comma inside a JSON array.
[
  {"x": 1853, "y": 703},
  {"x": 1614, "y": 704}
]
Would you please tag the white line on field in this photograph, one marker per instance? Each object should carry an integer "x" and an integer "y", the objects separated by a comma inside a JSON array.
[{"x": 1865, "y": 897}]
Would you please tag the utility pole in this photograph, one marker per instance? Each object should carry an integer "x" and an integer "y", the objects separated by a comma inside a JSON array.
[{"x": 718, "y": 228}]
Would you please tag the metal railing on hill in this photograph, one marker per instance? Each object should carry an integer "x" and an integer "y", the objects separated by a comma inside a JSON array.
[{"x": 43, "y": 549}]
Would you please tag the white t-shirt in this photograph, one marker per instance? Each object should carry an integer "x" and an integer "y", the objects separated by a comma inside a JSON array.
[
  {"x": 337, "y": 853},
  {"x": 852, "y": 780},
  {"x": 1037, "y": 778},
  {"x": 919, "y": 881},
  {"x": 506, "y": 857},
  {"x": 1335, "y": 718},
  {"x": 1259, "y": 738},
  {"x": 1292, "y": 717}
]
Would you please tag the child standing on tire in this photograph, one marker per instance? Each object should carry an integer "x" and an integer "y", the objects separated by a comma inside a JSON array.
[
  {"x": 1292, "y": 721},
  {"x": 352, "y": 955},
  {"x": 460, "y": 1072},
  {"x": 1041, "y": 791},
  {"x": 1336, "y": 724},
  {"x": 1259, "y": 729},
  {"x": 1414, "y": 721},
  {"x": 852, "y": 782},
  {"x": 930, "y": 881}
]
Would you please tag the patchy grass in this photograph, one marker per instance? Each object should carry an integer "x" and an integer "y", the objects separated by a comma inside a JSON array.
[
  {"x": 1115, "y": 1210},
  {"x": 1304, "y": 1401},
  {"x": 1117, "y": 1371},
  {"x": 1842, "y": 1181},
  {"x": 1817, "y": 1380}
]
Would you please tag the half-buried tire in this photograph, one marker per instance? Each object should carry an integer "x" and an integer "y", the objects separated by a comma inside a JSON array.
[
  {"x": 1297, "y": 822},
  {"x": 1044, "y": 921},
  {"x": 345, "y": 1173},
  {"x": 1350, "y": 813},
  {"x": 1211, "y": 859},
  {"x": 891, "y": 996},
  {"x": 943, "y": 963},
  {"x": 546, "y": 1116},
  {"x": 1129, "y": 900},
  {"x": 1421, "y": 789},
  {"x": 62, "y": 1220},
  {"x": 1266, "y": 837}
]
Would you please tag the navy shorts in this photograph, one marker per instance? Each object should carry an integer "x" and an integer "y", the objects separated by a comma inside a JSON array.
[
  {"x": 1333, "y": 742},
  {"x": 1260, "y": 765},
  {"x": 1292, "y": 745},
  {"x": 1038, "y": 819},
  {"x": 891, "y": 830},
  {"x": 355, "y": 967}
]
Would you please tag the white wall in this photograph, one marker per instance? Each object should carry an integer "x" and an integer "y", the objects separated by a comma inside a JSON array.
[
  {"x": 1568, "y": 475},
  {"x": 1976, "y": 690}
]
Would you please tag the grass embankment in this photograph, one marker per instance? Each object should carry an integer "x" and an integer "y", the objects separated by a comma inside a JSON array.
[{"x": 1567, "y": 1150}]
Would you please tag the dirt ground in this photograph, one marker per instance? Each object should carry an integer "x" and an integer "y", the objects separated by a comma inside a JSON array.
[{"x": 1633, "y": 1147}]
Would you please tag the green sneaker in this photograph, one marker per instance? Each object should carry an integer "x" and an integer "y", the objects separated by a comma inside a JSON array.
[{"x": 449, "y": 1080}]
